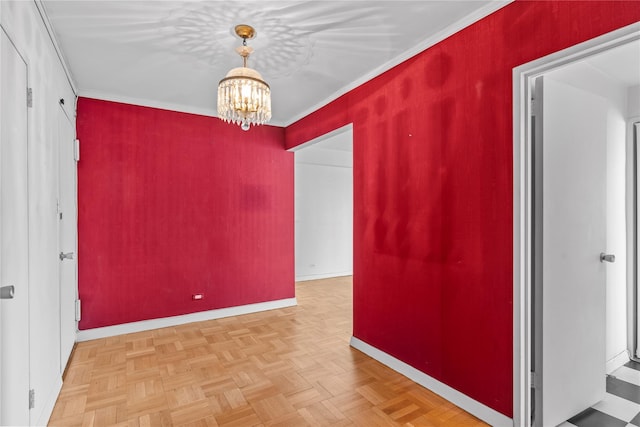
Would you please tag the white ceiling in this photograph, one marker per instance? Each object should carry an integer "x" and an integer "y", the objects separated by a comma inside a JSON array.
[
  {"x": 622, "y": 64},
  {"x": 171, "y": 54},
  {"x": 333, "y": 149}
]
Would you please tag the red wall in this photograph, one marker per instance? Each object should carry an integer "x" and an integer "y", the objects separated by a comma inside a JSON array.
[
  {"x": 171, "y": 204},
  {"x": 433, "y": 192}
]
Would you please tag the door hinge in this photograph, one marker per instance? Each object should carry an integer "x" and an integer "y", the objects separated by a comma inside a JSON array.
[
  {"x": 76, "y": 149},
  {"x": 32, "y": 398},
  {"x": 533, "y": 380},
  {"x": 78, "y": 311},
  {"x": 29, "y": 97},
  {"x": 532, "y": 106}
]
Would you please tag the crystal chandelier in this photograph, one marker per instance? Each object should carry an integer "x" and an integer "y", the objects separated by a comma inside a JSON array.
[{"x": 243, "y": 97}]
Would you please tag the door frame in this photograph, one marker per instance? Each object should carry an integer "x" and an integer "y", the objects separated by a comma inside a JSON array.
[
  {"x": 348, "y": 128},
  {"x": 1, "y": 29},
  {"x": 633, "y": 189},
  {"x": 523, "y": 77}
]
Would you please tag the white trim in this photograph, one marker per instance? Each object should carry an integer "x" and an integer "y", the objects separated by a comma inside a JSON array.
[
  {"x": 346, "y": 128},
  {"x": 143, "y": 102},
  {"x": 521, "y": 274},
  {"x": 523, "y": 76},
  {"x": 1, "y": 210},
  {"x": 470, "y": 405},
  {"x": 450, "y": 30},
  {"x": 151, "y": 103},
  {"x": 145, "y": 325},
  {"x": 323, "y": 276},
  {"x": 323, "y": 164},
  {"x": 49, "y": 403},
  {"x": 617, "y": 361}
]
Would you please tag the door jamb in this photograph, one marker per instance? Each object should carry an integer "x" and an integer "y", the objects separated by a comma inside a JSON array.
[
  {"x": 1, "y": 284},
  {"x": 523, "y": 77},
  {"x": 631, "y": 190}
]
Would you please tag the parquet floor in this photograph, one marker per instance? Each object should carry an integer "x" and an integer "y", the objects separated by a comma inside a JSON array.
[{"x": 286, "y": 367}]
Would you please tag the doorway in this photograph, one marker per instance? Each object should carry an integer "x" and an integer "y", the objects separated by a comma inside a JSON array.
[
  {"x": 539, "y": 221},
  {"x": 324, "y": 206},
  {"x": 14, "y": 245}
]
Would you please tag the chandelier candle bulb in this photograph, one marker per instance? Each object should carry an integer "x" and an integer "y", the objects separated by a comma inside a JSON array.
[{"x": 243, "y": 96}]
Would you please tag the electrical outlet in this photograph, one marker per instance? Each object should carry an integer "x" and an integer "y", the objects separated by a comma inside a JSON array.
[{"x": 197, "y": 297}]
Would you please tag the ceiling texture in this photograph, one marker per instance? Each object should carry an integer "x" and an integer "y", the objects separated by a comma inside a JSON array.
[{"x": 172, "y": 54}]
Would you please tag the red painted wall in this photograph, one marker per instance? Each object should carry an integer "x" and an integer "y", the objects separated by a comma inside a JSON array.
[
  {"x": 433, "y": 192},
  {"x": 171, "y": 204}
]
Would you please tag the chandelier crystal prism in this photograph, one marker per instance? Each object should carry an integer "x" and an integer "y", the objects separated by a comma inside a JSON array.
[{"x": 243, "y": 96}]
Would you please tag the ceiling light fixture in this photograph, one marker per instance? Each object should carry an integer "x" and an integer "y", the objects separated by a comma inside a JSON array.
[{"x": 243, "y": 97}]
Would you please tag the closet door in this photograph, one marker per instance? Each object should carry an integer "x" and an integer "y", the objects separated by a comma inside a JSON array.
[
  {"x": 14, "y": 244},
  {"x": 570, "y": 145}
]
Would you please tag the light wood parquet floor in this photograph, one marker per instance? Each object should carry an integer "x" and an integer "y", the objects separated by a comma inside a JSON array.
[{"x": 286, "y": 367}]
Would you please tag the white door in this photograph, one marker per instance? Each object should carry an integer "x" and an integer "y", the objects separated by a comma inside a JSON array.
[
  {"x": 14, "y": 249},
  {"x": 571, "y": 348},
  {"x": 67, "y": 235}
]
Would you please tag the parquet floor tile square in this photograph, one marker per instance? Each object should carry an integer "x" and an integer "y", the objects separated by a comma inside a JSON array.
[
  {"x": 273, "y": 407},
  {"x": 238, "y": 417},
  {"x": 192, "y": 412},
  {"x": 287, "y": 367},
  {"x": 290, "y": 420},
  {"x": 308, "y": 396},
  {"x": 72, "y": 406}
]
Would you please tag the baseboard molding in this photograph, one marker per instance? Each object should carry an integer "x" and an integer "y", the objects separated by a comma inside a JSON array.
[
  {"x": 617, "y": 361},
  {"x": 474, "y": 407},
  {"x": 322, "y": 276},
  {"x": 145, "y": 325},
  {"x": 49, "y": 404}
]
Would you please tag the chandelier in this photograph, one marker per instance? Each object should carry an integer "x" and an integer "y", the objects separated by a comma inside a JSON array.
[{"x": 243, "y": 97}]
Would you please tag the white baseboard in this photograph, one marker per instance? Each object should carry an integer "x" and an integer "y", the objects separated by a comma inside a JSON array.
[
  {"x": 617, "y": 361},
  {"x": 49, "y": 403},
  {"x": 474, "y": 407},
  {"x": 145, "y": 325},
  {"x": 322, "y": 276}
]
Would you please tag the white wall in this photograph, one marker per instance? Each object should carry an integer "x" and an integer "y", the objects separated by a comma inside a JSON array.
[
  {"x": 584, "y": 76},
  {"x": 633, "y": 101},
  {"x": 324, "y": 209},
  {"x": 23, "y": 23}
]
